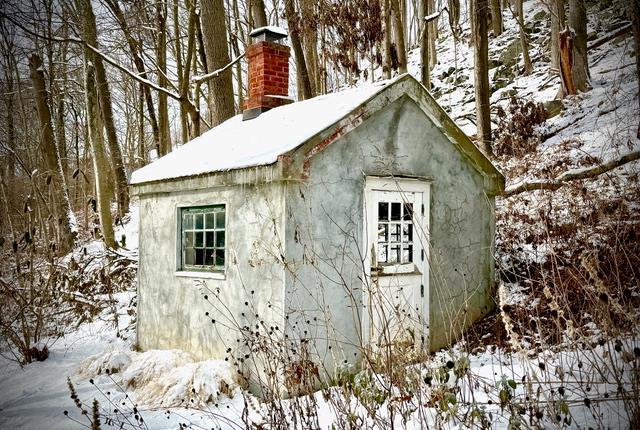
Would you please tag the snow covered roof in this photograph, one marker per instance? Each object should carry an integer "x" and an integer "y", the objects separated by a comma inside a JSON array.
[{"x": 236, "y": 144}]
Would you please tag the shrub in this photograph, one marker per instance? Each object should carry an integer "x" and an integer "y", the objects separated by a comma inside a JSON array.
[{"x": 516, "y": 133}]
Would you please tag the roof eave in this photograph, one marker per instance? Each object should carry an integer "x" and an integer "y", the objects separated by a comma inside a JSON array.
[{"x": 250, "y": 175}]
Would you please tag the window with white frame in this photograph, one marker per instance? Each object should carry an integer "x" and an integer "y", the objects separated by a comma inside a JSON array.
[{"x": 202, "y": 232}]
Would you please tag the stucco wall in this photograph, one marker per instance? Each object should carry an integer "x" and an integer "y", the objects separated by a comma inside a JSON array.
[
  {"x": 324, "y": 230},
  {"x": 171, "y": 308}
]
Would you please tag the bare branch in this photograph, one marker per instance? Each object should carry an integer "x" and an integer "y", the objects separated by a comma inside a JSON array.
[
  {"x": 105, "y": 57},
  {"x": 570, "y": 175},
  {"x": 203, "y": 78}
]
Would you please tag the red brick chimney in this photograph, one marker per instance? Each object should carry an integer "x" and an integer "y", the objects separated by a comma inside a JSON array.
[{"x": 268, "y": 71}]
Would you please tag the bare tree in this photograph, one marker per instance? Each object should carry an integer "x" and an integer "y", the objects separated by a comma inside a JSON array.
[
  {"x": 496, "y": 17},
  {"x": 519, "y": 15},
  {"x": 386, "y": 41},
  {"x": 90, "y": 36},
  {"x": 95, "y": 85},
  {"x": 481, "y": 72},
  {"x": 258, "y": 14},
  {"x": 425, "y": 72},
  {"x": 399, "y": 36},
  {"x": 433, "y": 34},
  {"x": 164, "y": 146},
  {"x": 580, "y": 65},
  {"x": 556, "y": 12},
  {"x": 304, "y": 84},
  {"x": 65, "y": 228},
  {"x": 135, "y": 51},
  {"x": 214, "y": 33},
  {"x": 310, "y": 42}
]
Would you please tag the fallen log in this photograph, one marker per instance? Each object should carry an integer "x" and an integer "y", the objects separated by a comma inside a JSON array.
[{"x": 610, "y": 36}]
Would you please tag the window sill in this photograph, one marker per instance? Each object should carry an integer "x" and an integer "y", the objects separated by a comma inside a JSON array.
[{"x": 203, "y": 274}]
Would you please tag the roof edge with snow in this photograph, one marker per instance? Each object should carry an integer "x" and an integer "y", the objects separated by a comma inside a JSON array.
[{"x": 346, "y": 110}]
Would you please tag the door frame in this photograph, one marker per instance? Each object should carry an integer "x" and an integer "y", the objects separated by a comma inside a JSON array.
[{"x": 398, "y": 184}]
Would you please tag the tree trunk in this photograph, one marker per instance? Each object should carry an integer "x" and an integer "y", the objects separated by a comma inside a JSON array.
[
  {"x": 425, "y": 74},
  {"x": 177, "y": 40},
  {"x": 454, "y": 17},
  {"x": 214, "y": 33},
  {"x": 433, "y": 35},
  {"x": 104, "y": 99},
  {"x": 235, "y": 42},
  {"x": 310, "y": 40},
  {"x": 161, "y": 59},
  {"x": 61, "y": 138},
  {"x": 258, "y": 14},
  {"x": 304, "y": 84},
  {"x": 10, "y": 158},
  {"x": 386, "y": 41},
  {"x": 100, "y": 165},
  {"x": 578, "y": 22},
  {"x": 557, "y": 24},
  {"x": 496, "y": 17},
  {"x": 481, "y": 73},
  {"x": 399, "y": 36},
  {"x": 65, "y": 227},
  {"x": 190, "y": 116},
  {"x": 566, "y": 63},
  {"x": 528, "y": 66}
]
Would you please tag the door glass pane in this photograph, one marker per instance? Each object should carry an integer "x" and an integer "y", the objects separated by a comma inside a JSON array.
[
  {"x": 394, "y": 254},
  {"x": 382, "y": 253},
  {"x": 407, "y": 211},
  {"x": 383, "y": 211},
  {"x": 395, "y": 211},
  {"x": 407, "y": 253},
  {"x": 383, "y": 232},
  {"x": 395, "y": 232},
  {"x": 407, "y": 233}
]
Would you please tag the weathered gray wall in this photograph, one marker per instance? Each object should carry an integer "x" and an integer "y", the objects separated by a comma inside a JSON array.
[
  {"x": 327, "y": 265},
  {"x": 171, "y": 308}
]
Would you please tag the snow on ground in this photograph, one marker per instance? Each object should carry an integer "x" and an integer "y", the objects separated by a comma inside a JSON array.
[{"x": 34, "y": 396}]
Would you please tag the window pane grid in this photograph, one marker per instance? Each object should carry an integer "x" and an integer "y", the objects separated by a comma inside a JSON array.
[
  {"x": 203, "y": 238},
  {"x": 395, "y": 233}
]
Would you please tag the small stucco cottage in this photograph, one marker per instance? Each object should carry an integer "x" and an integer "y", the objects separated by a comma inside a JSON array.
[{"x": 350, "y": 220}]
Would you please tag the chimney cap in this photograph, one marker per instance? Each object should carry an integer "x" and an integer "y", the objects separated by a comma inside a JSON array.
[{"x": 269, "y": 33}]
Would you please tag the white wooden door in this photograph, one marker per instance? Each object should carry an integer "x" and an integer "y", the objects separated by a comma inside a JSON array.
[{"x": 396, "y": 299}]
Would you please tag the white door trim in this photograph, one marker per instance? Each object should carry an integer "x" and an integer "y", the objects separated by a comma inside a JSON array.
[{"x": 397, "y": 184}]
